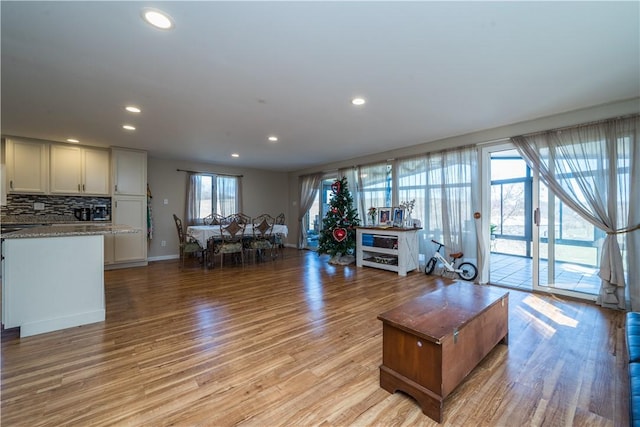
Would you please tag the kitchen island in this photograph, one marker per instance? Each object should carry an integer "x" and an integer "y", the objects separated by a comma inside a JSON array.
[{"x": 53, "y": 276}]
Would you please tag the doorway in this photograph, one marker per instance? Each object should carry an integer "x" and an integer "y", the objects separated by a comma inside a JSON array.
[
  {"x": 315, "y": 214},
  {"x": 510, "y": 221},
  {"x": 569, "y": 249},
  {"x": 536, "y": 242}
]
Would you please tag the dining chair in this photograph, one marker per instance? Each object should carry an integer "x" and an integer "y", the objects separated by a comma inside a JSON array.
[
  {"x": 213, "y": 219},
  {"x": 187, "y": 245},
  {"x": 262, "y": 236},
  {"x": 231, "y": 239},
  {"x": 278, "y": 238},
  {"x": 242, "y": 218},
  {"x": 246, "y": 220}
]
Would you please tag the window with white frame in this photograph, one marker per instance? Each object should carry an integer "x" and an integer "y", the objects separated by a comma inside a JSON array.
[
  {"x": 376, "y": 187},
  {"x": 442, "y": 186},
  {"x": 217, "y": 194}
]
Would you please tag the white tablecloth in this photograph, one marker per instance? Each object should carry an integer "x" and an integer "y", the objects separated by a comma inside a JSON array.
[{"x": 202, "y": 233}]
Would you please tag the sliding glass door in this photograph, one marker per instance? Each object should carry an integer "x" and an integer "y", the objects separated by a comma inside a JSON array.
[
  {"x": 510, "y": 189},
  {"x": 320, "y": 207},
  {"x": 536, "y": 242},
  {"x": 569, "y": 249}
]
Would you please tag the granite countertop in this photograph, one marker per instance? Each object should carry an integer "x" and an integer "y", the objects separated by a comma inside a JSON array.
[
  {"x": 45, "y": 219},
  {"x": 62, "y": 230}
]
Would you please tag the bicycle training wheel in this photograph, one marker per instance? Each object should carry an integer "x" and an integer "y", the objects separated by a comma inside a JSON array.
[
  {"x": 431, "y": 265},
  {"x": 468, "y": 271}
]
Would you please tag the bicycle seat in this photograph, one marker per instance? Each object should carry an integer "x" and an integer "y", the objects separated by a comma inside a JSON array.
[{"x": 456, "y": 255}]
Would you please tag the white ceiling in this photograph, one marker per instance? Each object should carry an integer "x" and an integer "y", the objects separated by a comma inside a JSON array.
[{"x": 232, "y": 73}]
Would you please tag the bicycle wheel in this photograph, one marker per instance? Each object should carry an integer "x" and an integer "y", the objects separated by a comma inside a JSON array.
[
  {"x": 431, "y": 265},
  {"x": 468, "y": 271}
]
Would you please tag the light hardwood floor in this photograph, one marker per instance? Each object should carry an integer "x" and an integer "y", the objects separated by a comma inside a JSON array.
[{"x": 296, "y": 342}]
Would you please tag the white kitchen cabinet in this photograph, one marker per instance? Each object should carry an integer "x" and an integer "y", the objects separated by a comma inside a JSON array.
[
  {"x": 129, "y": 170},
  {"x": 132, "y": 211},
  {"x": 27, "y": 164},
  {"x": 79, "y": 170},
  {"x": 95, "y": 171},
  {"x": 66, "y": 171},
  {"x": 129, "y": 207},
  {"x": 394, "y": 249}
]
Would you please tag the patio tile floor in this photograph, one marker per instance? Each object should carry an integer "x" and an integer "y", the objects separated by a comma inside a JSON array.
[{"x": 516, "y": 272}]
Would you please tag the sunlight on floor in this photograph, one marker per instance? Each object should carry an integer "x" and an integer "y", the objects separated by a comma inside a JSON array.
[
  {"x": 544, "y": 329},
  {"x": 550, "y": 311},
  {"x": 581, "y": 269}
]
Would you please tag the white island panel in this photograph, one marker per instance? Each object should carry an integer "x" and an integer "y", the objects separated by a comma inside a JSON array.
[{"x": 52, "y": 283}]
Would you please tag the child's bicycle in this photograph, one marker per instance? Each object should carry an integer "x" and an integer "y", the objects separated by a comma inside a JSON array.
[{"x": 466, "y": 270}]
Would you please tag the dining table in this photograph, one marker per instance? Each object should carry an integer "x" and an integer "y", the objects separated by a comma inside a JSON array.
[{"x": 202, "y": 233}]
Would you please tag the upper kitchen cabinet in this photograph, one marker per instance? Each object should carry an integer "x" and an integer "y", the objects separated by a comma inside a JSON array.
[
  {"x": 27, "y": 166},
  {"x": 95, "y": 171},
  {"x": 79, "y": 170},
  {"x": 129, "y": 171}
]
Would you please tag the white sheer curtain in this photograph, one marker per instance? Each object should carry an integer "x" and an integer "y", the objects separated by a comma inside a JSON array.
[
  {"x": 192, "y": 214},
  {"x": 445, "y": 186},
  {"x": 354, "y": 188},
  {"x": 210, "y": 193},
  {"x": 591, "y": 168},
  {"x": 452, "y": 188},
  {"x": 412, "y": 185},
  {"x": 239, "y": 200},
  {"x": 227, "y": 194},
  {"x": 374, "y": 187},
  {"x": 309, "y": 186}
]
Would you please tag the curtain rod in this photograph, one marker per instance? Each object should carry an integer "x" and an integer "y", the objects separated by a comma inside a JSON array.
[
  {"x": 579, "y": 125},
  {"x": 210, "y": 173}
]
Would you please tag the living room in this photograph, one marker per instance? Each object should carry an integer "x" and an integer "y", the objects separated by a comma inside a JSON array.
[{"x": 296, "y": 341}]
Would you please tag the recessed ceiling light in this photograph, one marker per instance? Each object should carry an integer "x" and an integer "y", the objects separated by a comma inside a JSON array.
[
  {"x": 235, "y": 155},
  {"x": 72, "y": 140},
  {"x": 132, "y": 109},
  {"x": 157, "y": 18},
  {"x": 273, "y": 138},
  {"x": 358, "y": 101},
  {"x": 128, "y": 127}
]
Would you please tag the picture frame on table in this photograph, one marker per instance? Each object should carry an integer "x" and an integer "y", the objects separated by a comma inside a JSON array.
[
  {"x": 384, "y": 216},
  {"x": 398, "y": 217}
]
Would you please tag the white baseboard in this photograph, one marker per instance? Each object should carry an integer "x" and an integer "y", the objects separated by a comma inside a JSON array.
[
  {"x": 177, "y": 256},
  {"x": 116, "y": 266},
  {"x": 163, "y": 257},
  {"x": 49, "y": 325}
]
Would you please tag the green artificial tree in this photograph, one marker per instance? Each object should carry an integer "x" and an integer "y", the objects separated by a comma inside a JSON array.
[{"x": 338, "y": 237}]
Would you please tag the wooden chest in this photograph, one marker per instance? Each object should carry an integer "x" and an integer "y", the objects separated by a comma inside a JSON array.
[{"x": 431, "y": 343}]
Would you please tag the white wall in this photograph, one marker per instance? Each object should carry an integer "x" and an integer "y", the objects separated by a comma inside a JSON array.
[
  {"x": 275, "y": 192},
  {"x": 263, "y": 192},
  {"x": 621, "y": 108}
]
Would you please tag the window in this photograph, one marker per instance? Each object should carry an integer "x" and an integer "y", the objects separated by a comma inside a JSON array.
[
  {"x": 443, "y": 187},
  {"x": 412, "y": 185},
  {"x": 376, "y": 185},
  {"x": 227, "y": 200},
  {"x": 511, "y": 190},
  {"x": 217, "y": 194}
]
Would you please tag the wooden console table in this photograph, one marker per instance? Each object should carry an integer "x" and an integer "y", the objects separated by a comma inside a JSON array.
[
  {"x": 431, "y": 343},
  {"x": 390, "y": 248}
]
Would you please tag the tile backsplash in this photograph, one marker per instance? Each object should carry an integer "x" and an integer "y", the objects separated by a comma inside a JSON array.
[{"x": 23, "y": 204}]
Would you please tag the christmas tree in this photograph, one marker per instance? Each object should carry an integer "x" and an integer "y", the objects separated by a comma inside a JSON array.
[{"x": 338, "y": 237}]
